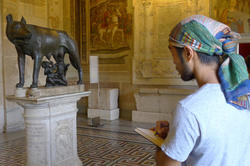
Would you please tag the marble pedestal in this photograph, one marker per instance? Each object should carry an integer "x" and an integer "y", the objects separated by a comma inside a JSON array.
[
  {"x": 50, "y": 123},
  {"x": 103, "y": 104}
]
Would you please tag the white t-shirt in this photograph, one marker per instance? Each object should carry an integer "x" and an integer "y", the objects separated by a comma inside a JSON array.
[{"x": 206, "y": 131}]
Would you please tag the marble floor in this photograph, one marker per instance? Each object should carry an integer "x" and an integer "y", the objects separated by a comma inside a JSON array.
[{"x": 113, "y": 144}]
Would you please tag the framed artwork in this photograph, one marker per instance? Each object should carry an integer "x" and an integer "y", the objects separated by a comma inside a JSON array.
[
  {"x": 234, "y": 13},
  {"x": 110, "y": 26}
]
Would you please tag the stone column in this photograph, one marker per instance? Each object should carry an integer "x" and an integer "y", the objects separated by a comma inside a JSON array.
[
  {"x": 50, "y": 123},
  {"x": 148, "y": 28},
  {"x": 148, "y": 41}
]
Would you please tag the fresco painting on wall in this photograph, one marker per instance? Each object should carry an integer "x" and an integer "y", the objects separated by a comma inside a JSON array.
[
  {"x": 110, "y": 25},
  {"x": 235, "y": 13}
]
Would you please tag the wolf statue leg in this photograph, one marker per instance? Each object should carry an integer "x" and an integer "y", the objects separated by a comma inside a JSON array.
[
  {"x": 76, "y": 64},
  {"x": 79, "y": 75},
  {"x": 21, "y": 67},
  {"x": 36, "y": 69},
  {"x": 75, "y": 59}
]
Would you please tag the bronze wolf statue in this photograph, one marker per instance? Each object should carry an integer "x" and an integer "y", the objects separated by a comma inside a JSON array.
[{"x": 38, "y": 42}]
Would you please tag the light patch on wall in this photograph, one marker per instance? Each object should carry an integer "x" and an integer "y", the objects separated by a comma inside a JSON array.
[
  {"x": 35, "y": 3},
  {"x": 94, "y": 69}
]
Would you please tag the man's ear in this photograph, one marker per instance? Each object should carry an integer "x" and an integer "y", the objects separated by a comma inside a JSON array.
[{"x": 189, "y": 53}]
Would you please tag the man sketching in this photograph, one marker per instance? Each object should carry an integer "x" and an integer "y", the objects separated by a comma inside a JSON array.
[{"x": 212, "y": 126}]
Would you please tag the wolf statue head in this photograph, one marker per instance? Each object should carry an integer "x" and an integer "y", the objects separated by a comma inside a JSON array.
[{"x": 17, "y": 30}]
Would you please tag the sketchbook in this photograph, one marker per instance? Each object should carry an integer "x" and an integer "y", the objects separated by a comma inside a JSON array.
[{"x": 150, "y": 135}]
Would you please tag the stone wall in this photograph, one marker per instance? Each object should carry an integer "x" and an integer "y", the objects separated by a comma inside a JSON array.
[
  {"x": 153, "y": 66},
  {"x": 46, "y": 13}
]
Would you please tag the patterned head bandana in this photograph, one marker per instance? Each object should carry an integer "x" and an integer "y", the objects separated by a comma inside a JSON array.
[{"x": 208, "y": 36}]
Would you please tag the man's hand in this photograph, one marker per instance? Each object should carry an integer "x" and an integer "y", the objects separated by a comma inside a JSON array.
[
  {"x": 161, "y": 129},
  {"x": 163, "y": 160}
]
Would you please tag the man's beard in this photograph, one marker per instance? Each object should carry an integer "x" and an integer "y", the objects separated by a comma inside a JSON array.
[{"x": 187, "y": 74}]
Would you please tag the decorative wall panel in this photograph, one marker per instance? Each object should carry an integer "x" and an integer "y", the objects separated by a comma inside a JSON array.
[{"x": 154, "y": 19}]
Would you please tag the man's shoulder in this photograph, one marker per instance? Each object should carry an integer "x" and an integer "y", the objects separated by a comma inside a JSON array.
[{"x": 207, "y": 95}]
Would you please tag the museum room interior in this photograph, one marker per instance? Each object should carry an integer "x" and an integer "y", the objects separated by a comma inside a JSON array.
[{"x": 126, "y": 65}]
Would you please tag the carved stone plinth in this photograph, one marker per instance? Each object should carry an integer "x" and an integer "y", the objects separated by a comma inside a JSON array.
[
  {"x": 104, "y": 114},
  {"x": 103, "y": 104},
  {"x": 50, "y": 123}
]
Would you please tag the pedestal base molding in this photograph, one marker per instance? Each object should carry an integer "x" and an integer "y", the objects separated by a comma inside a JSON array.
[{"x": 104, "y": 114}]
